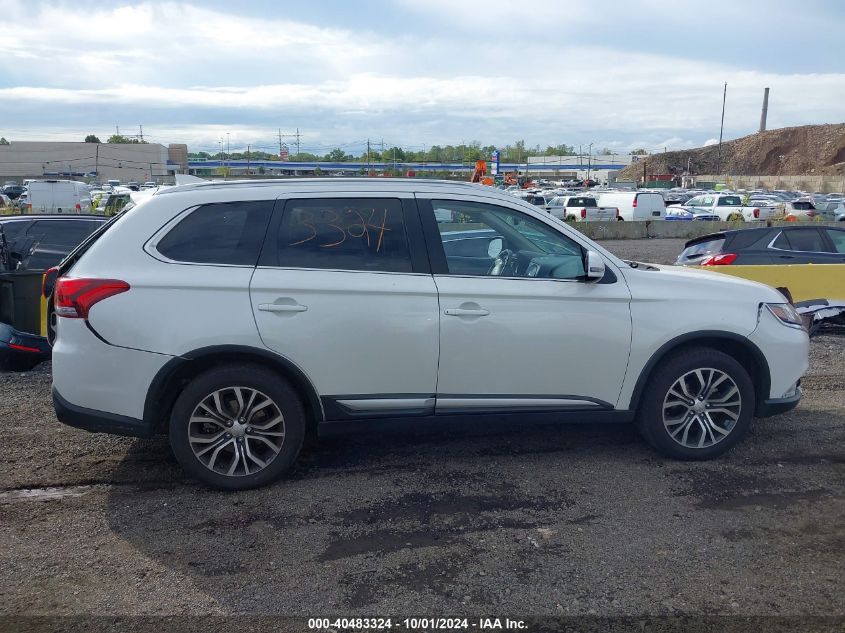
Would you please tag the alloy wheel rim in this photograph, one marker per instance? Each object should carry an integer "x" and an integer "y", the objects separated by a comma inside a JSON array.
[
  {"x": 236, "y": 431},
  {"x": 701, "y": 408}
]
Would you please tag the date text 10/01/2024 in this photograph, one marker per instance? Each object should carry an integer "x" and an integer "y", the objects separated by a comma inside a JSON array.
[{"x": 416, "y": 624}]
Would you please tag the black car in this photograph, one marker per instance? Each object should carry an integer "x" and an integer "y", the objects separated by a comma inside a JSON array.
[
  {"x": 13, "y": 191},
  {"x": 29, "y": 245},
  {"x": 761, "y": 246}
]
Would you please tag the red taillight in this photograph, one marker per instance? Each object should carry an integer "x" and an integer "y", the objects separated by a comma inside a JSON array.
[
  {"x": 584, "y": 213},
  {"x": 74, "y": 297},
  {"x": 722, "y": 259},
  {"x": 24, "y": 348},
  {"x": 756, "y": 213},
  {"x": 617, "y": 212},
  {"x": 78, "y": 208},
  {"x": 635, "y": 201}
]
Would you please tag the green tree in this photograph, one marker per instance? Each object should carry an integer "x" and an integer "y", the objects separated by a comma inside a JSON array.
[
  {"x": 639, "y": 152},
  {"x": 92, "y": 139},
  {"x": 337, "y": 155},
  {"x": 124, "y": 140},
  {"x": 3, "y": 141}
]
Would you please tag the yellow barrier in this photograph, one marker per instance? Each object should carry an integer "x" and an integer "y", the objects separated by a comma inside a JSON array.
[{"x": 804, "y": 281}]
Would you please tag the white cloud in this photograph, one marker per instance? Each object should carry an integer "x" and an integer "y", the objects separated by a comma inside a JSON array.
[{"x": 197, "y": 72}]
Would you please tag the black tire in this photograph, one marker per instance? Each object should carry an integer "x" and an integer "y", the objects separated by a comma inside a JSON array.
[
  {"x": 248, "y": 376},
  {"x": 650, "y": 414},
  {"x": 620, "y": 219}
]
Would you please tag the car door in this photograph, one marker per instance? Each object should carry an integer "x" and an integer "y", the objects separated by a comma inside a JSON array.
[
  {"x": 528, "y": 334},
  {"x": 343, "y": 290}
]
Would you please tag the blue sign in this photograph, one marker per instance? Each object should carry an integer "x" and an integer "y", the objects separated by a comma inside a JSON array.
[{"x": 494, "y": 162}]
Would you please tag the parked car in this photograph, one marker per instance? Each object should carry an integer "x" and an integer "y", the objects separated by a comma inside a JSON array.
[
  {"x": 634, "y": 205},
  {"x": 5, "y": 203},
  {"x": 295, "y": 305},
  {"x": 799, "y": 210},
  {"x": 762, "y": 246},
  {"x": 29, "y": 245},
  {"x": 58, "y": 196},
  {"x": 14, "y": 191},
  {"x": 729, "y": 208},
  {"x": 580, "y": 209}
]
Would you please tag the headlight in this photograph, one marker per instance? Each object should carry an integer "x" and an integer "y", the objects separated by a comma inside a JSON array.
[{"x": 786, "y": 314}]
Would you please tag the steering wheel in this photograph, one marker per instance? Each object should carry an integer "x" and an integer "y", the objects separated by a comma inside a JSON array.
[{"x": 505, "y": 265}]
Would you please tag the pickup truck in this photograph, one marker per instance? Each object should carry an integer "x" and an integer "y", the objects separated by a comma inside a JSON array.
[
  {"x": 580, "y": 209},
  {"x": 729, "y": 208}
]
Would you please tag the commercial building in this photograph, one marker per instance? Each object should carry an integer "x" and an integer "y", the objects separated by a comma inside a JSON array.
[
  {"x": 601, "y": 167},
  {"x": 126, "y": 162}
]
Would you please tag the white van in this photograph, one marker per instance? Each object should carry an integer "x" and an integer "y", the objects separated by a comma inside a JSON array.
[
  {"x": 635, "y": 205},
  {"x": 59, "y": 196}
]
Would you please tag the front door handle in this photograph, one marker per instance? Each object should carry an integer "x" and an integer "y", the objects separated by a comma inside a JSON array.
[
  {"x": 477, "y": 312},
  {"x": 281, "y": 307}
]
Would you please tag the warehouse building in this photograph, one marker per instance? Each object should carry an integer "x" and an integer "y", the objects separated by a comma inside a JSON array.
[{"x": 126, "y": 162}]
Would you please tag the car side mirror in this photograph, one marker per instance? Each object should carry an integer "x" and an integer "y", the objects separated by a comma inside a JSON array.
[{"x": 594, "y": 266}]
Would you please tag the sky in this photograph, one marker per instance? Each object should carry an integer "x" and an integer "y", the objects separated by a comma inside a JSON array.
[{"x": 413, "y": 73}]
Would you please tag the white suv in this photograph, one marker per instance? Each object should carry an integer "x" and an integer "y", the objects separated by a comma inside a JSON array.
[{"x": 239, "y": 317}]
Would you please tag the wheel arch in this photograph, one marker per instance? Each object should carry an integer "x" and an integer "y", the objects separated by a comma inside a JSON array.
[
  {"x": 734, "y": 345},
  {"x": 179, "y": 371}
]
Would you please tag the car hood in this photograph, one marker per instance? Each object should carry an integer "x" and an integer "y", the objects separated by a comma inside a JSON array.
[{"x": 698, "y": 280}]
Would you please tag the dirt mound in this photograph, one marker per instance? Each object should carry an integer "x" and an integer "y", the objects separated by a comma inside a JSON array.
[{"x": 791, "y": 151}]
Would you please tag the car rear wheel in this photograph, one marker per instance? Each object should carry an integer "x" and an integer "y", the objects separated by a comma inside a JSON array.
[
  {"x": 697, "y": 405},
  {"x": 237, "y": 427}
]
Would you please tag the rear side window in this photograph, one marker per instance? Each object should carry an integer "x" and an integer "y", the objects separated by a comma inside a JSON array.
[
  {"x": 808, "y": 240},
  {"x": 224, "y": 233},
  {"x": 838, "y": 239},
  {"x": 60, "y": 232},
  {"x": 12, "y": 229},
  {"x": 344, "y": 234},
  {"x": 581, "y": 202}
]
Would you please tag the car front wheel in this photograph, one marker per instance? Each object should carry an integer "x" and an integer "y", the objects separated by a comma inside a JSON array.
[
  {"x": 237, "y": 427},
  {"x": 697, "y": 405}
]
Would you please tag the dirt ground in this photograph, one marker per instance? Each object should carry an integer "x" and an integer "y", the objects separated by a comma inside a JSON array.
[{"x": 556, "y": 520}]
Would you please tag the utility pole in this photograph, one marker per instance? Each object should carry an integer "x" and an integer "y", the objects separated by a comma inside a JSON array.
[
  {"x": 721, "y": 129},
  {"x": 247, "y": 160},
  {"x": 382, "y": 154},
  {"x": 97, "y": 160},
  {"x": 141, "y": 132},
  {"x": 297, "y": 143},
  {"x": 280, "y": 142}
]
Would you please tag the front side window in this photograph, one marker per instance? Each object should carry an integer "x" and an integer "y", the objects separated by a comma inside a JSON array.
[
  {"x": 225, "y": 233},
  {"x": 517, "y": 245},
  {"x": 365, "y": 234}
]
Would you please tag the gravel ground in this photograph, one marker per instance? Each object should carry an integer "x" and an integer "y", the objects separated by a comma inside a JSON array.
[{"x": 540, "y": 520}]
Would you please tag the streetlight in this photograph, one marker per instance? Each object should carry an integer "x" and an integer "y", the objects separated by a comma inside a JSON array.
[{"x": 589, "y": 162}]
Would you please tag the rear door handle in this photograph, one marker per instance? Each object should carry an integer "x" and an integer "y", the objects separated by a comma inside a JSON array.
[
  {"x": 281, "y": 307},
  {"x": 479, "y": 312}
]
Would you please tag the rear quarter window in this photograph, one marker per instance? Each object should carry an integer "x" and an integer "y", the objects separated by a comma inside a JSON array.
[{"x": 228, "y": 233}]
